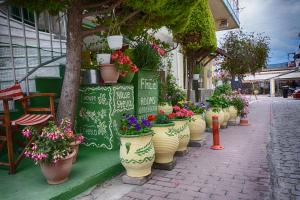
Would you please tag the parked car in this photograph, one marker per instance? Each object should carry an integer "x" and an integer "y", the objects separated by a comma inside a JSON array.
[{"x": 296, "y": 94}]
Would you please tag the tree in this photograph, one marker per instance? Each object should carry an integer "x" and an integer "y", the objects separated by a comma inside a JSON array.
[
  {"x": 138, "y": 15},
  {"x": 247, "y": 53}
]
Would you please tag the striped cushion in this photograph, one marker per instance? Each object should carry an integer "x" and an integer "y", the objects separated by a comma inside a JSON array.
[
  {"x": 14, "y": 92},
  {"x": 31, "y": 119}
]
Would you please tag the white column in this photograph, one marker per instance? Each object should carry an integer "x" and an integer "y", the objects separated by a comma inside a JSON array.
[{"x": 272, "y": 87}]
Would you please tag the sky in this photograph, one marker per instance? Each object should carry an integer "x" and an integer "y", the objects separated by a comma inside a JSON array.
[{"x": 278, "y": 19}]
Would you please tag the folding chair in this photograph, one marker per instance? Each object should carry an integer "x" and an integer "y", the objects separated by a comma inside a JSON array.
[{"x": 31, "y": 117}]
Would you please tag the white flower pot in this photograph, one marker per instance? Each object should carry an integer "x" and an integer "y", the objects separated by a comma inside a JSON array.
[
  {"x": 103, "y": 58},
  {"x": 115, "y": 41},
  {"x": 197, "y": 127},
  {"x": 196, "y": 76}
]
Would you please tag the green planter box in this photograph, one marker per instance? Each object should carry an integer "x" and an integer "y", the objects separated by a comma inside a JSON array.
[
  {"x": 99, "y": 113},
  {"x": 145, "y": 93}
]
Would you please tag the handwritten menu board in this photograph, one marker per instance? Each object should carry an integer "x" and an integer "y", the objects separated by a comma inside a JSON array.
[
  {"x": 145, "y": 93},
  {"x": 99, "y": 113}
]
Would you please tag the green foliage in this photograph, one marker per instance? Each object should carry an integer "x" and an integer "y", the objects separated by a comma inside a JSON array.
[
  {"x": 223, "y": 89},
  {"x": 174, "y": 93},
  {"x": 248, "y": 53},
  {"x": 199, "y": 31},
  {"x": 88, "y": 60},
  {"x": 162, "y": 118},
  {"x": 53, "y": 6},
  {"x": 196, "y": 108},
  {"x": 218, "y": 101},
  {"x": 238, "y": 103},
  {"x": 145, "y": 57}
]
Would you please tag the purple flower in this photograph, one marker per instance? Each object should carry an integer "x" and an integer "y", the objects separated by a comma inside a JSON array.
[
  {"x": 146, "y": 122},
  {"x": 138, "y": 127},
  {"x": 132, "y": 120}
]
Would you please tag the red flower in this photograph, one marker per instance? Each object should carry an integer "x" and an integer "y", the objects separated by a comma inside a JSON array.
[
  {"x": 171, "y": 115},
  {"x": 151, "y": 118},
  {"x": 162, "y": 112}
]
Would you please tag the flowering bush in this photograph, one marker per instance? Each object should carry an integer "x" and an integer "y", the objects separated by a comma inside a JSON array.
[
  {"x": 52, "y": 144},
  {"x": 162, "y": 118},
  {"x": 182, "y": 113},
  {"x": 197, "y": 108},
  {"x": 123, "y": 63},
  {"x": 241, "y": 103},
  {"x": 131, "y": 125},
  {"x": 158, "y": 49},
  {"x": 245, "y": 110}
]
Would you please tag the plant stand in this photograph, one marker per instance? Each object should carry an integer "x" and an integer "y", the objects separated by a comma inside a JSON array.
[
  {"x": 135, "y": 180},
  {"x": 165, "y": 166}
]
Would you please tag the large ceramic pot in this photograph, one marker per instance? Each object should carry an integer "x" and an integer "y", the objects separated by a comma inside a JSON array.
[
  {"x": 197, "y": 127},
  {"x": 115, "y": 41},
  {"x": 212, "y": 112},
  {"x": 137, "y": 154},
  {"x": 126, "y": 79},
  {"x": 57, "y": 173},
  {"x": 165, "y": 140},
  {"x": 90, "y": 77},
  {"x": 103, "y": 58},
  {"x": 166, "y": 107},
  {"x": 75, "y": 146},
  {"x": 109, "y": 73},
  {"x": 233, "y": 114},
  {"x": 182, "y": 128},
  {"x": 226, "y": 117}
]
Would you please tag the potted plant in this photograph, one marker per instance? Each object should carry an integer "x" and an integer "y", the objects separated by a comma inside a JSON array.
[
  {"x": 181, "y": 117},
  {"x": 104, "y": 54},
  {"x": 215, "y": 104},
  {"x": 90, "y": 74},
  {"x": 114, "y": 38},
  {"x": 165, "y": 138},
  {"x": 77, "y": 139},
  {"x": 197, "y": 124},
  {"x": 52, "y": 150},
  {"x": 128, "y": 68},
  {"x": 196, "y": 73},
  {"x": 237, "y": 105},
  {"x": 224, "y": 102},
  {"x": 136, "y": 149},
  {"x": 244, "y": 112}
]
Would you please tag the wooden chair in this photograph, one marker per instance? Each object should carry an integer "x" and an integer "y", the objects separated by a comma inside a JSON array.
[{"x": 31, "y": 117}]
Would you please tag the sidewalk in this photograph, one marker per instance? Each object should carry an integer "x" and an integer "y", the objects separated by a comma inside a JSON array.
[{"x": 240, "y": 171}]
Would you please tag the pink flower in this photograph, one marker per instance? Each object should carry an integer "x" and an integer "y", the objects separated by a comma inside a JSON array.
[
  {"x": 34, "y": 147},
  {"x": 176, "y": 108},
  {"x": 80, "y": 139},
  {"x": 26, "y": 132}
]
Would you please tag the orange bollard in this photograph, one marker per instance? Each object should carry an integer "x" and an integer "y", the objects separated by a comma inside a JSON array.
[{"x": 216, "y": 137}]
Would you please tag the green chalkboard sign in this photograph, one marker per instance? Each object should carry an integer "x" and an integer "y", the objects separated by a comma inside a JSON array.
[
  {"x": 99, "y": 113},
  {"x": 145, "y": 93}
]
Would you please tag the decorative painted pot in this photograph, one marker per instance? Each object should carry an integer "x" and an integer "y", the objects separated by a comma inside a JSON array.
[
  {"x": 115, "y": 41},
  {"x": 197, "y": 127},
  {"x": 226, "y": 117},
  {"x": 183, "y": 131},
  {"x": 137, "y": 154},
  {"x": 166, "y": 107},
  {"x": 126, "y": 79},
  {"x": 103, "y": 58},
  {"x": 109, "y": 73},
  {"x": 233, "y": 114},
  {"x": 210, "y": 113},
  {"x": 57, "y": 173},
  {"x": 75, "y": 146},
  {"x": 165, "y": 141},
  {"x": 255, "y": 92}
]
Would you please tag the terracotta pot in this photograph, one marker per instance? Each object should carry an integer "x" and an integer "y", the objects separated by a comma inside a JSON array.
[
  {"x": 166, "y": 107},
  {"x": 233, "y": 114},
  {"x": 109, "y": 73},
  {"x": 210, "y": 113},
  {"x": 165, "y": 141},
  {"x": 182, "y": 128},
  {"x": 75, "y": 146},
  {"x": 57, "y": 173},
  {"x": 244, "y": 121},
  {"x": 137, "y": 154},
  {"x": 197, "y": 127},
  {"x": 226, "y": 117}
]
